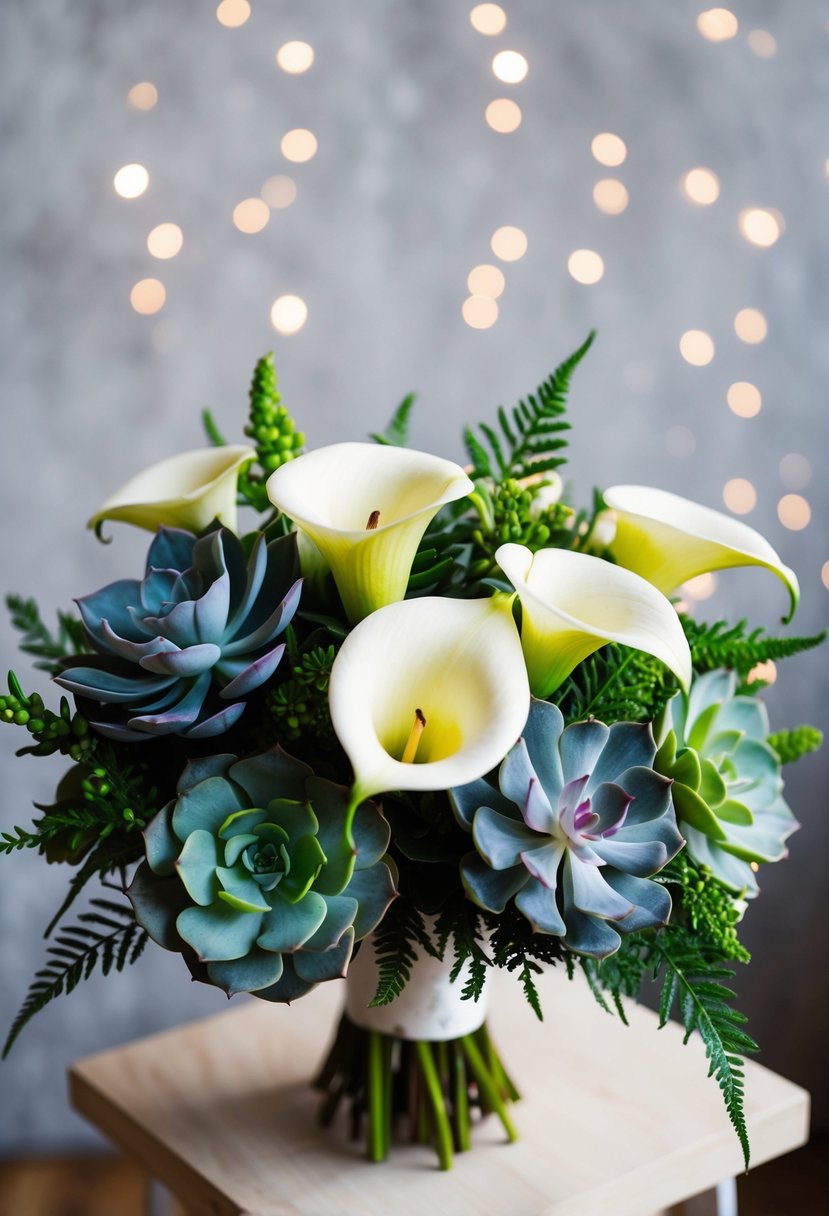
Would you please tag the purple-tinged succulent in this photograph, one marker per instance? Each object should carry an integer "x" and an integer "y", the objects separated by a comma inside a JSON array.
[
  {"x": 179, "y": 651},
  {"x": 251, "y": 876},
  {"x": 580, "y": 824}
]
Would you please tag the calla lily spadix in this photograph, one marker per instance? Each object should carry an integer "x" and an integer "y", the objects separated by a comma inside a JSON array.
[
  {"x": 186, "y": 491},
  {"x": 453, "y": 670},
  {"x": 573, "y": 603},
  {"x": 366, "y": 506},
  {"x": 668, "y": 540}
]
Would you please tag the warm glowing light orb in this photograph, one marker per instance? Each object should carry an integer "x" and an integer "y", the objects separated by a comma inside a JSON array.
[
  {"x": 696, "y": 347},
  {"x": 763, "y": 44},
  {"x": 279, "y": 191},
  {"x": 701, "y": 186},
  {"x": 288, "y": 314},
  {"x": 739, "y": 496},
  {"x": 486, "y": 280},
  {"x": 233, "y": 13},
  {"x": 701, "y": 587},
  {"x": 148, "y": 296},
  {"x": 295, "y": 57},
  {"x": 610, "y": 196},
  {"x": 298, "y": 145},
  {"x": 480, "y": 312},
  {"x": 251, "y": 215},
  {"x": 794, "y": 512},
  {"x": 143, "y": 96},
  {"x": 508, "y": 243},
  {"x": 744, "y": 399},
  {"x": 766, "y": 671},
  {"x": 717, "y": 24},
  {"x": 165, "y": 240},
  {"x": 824, "y": 575},
  {"x": 608, "y": 149},
  {"x": 751, "y": 326},
  {"x": 510, "y": 66},
  {"x": 585, "y": 266},
  {"x": 489, "y": 19},
  {"x": 760, "y": 226},
  {"x": 131, "y": 181},
  {"x": 503, "y": 115}
]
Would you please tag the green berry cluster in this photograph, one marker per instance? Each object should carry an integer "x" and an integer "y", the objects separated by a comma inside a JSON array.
[
  {"x": 65, "y": 732},
  {"x": 707, "y": 906},
  {"x": 272, "y": 430},
  {"x": 515, "y": 516},
  {"x": 299, "y": 706},
  {"x": 790, "y": 745}
]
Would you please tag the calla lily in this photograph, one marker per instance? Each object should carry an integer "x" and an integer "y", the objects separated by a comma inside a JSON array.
[
  {"x": 366, "y": 506},
  {"x": 187, "y": 491},
  {"x": 455, "y": 668},
  {"x": 573, "y": 603},
  {"x": 668, "y": 540}
]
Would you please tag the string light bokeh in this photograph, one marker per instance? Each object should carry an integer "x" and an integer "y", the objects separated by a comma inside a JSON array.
[{"x": 332, "y": 185}]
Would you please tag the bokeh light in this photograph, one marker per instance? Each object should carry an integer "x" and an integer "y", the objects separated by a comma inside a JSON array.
[
  {"x": 610, "y": 196},
  {"x": 795, "y": 471},
  {"x": 251, "y": 215},
  {"x": 794, "y": 512},
  {"x": 766, "y": 671},
  {"x": 508, "y": 243},
  {"x": 510, "y": 66},
  {"x": 143, "y": 96},
  {"x": 131, "y": 181},
  {"x": 701, "y": 186},
  {"x": 608, "y": 149},
  {"x": 489, "y": 19},
  {"x": 480, "y": 312},
  {"x": 763, "y": 44},
  {"x": 750, "y": 326},
  {"x": 585, "y": 266},
  {"x": 824, "y": 575},
  {"x": 233, "y": 13},
  {"x": 298, "y": 145},
  {"x": 148, "y": 296},
  {"x": 717, "y": 24},
  {"x": 503, "y": 115},
  {"x": 486, "y": 280},
  {"x": 295, "y": 57},
  {"x": 760, "y": 226},
  {"x": 288, "y": 314},
  {"x": 744, "y": 399},
  {"x": 279, "y": 191},
  {"x": 739, "y": 496},
  {"x": 701, "y": 587},
  {"x": 165, "y": 241},
  {"x": 696, "y": 347}
]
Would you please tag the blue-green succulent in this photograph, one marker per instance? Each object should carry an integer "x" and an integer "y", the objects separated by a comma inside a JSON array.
[
  {"x": 249, "y": 874},
  {"x": 728, "y": 788},
  {"x": 179, "y": 651},
  {"x": 579, "y": 824}
]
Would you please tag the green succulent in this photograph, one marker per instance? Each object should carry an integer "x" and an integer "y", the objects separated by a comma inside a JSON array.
[
  {"x": 727, "y": 788},
  {"x": 249, "y": 875}
]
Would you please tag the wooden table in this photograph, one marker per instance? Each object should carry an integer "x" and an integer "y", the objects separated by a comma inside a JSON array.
[{"x": 614, "y": 1121}]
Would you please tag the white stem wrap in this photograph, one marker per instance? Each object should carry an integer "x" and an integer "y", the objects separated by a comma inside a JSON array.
[{"x": 428, "y": 1008}]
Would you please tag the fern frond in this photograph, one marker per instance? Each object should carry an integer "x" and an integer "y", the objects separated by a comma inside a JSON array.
[
  {"x": 38, "y": 640},
  {"x": 77, "y": 951},
  {"x": 396, "y": 433},
  {"x": 526, "y": 441},
  {"x": 394, "y": 944},
  {"x": 733, "y": 647}
]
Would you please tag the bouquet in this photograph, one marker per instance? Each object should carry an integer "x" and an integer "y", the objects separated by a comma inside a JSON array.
[{"x": 419, "y": 721}]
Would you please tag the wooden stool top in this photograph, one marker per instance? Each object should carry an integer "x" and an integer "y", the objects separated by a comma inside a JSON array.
[{"x": 613, "y": 1118}]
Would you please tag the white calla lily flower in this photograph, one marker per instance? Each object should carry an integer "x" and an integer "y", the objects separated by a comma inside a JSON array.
[
  {"x": 452, "y": 670},
  {"x": 668, "y": 540},
  {"x": 186, "y": 491},
  {"x": 366, "y": 506},
  {"x": 573, "y": 603}
]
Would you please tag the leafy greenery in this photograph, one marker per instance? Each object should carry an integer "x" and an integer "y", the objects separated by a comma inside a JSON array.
[
  {"x": 272, "y": 430},
  {"x": 617, "y": 684},
  {"x": 400, "y": 931},
  {"x": 48, "y": 648},
  {"x": 107, "y": 937},
  {"x": 516, "y": 947},
  {"x": 702, "y": 903},
  {"x": 299, "y": 705},
  {"x": 738, "y": 649},
  {"x": 397, "y": 432},
  {"x": 526, "y": 442},
  {"x": 790, "y": 745}
]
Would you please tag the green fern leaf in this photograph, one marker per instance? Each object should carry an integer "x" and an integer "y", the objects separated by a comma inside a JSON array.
[{"x": 396, "y": 433}]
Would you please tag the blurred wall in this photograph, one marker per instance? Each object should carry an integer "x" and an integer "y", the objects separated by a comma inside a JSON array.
[{"x": 399, "y": 203}]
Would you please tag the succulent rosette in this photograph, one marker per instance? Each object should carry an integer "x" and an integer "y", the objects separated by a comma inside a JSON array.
[
  {"x": 579, "y": 824},
  {"x": 249, "y": 875},
  {"x": 728, "y": 787},
  {"x": 179, "y": 651}
]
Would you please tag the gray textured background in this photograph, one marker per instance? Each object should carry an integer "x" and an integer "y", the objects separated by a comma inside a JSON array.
[{"x": 395, "y": 209}]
